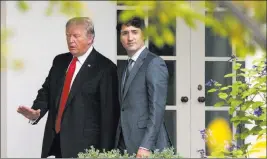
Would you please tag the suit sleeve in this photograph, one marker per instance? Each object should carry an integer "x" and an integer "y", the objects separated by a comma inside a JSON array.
[
  {"x": 157, "y": 85},
  {"x": 109, "y": 108},
  {"x": 42, "y": 99}
]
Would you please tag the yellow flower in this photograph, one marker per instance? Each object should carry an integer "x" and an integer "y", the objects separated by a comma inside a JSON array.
[{"x": 220, "y": 134}]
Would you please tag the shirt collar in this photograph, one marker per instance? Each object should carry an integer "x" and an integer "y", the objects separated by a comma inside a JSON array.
[
  {"x": 82, "y": 58},
  {"x": 137, "y": 54}
]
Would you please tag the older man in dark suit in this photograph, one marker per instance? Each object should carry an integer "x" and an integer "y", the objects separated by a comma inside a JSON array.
[{"x": 80, "y": 95}]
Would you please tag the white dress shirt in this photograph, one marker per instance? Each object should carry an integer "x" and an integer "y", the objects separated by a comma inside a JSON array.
[
  {"x": 79, "y": 63},
  {"x": 136, "y": 55}
]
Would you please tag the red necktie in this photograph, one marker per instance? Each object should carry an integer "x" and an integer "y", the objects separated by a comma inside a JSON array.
[{"x": 65, "y": 92}]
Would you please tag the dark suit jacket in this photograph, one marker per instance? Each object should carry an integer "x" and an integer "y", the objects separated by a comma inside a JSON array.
[
  {"x": 92, "y": 110},
  {"x": 143, "y": 104}
]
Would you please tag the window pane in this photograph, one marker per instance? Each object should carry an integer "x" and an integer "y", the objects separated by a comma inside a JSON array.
[
  {"x": 215, "y": 45},
  {"x": 243, "y": 65},
  {"x": 171, "y": 83},
  {"x": 120, "y": 48},
  {"x": 170, "y": 122},
  {"x": 216, "y": 70},
  {"x": 166, "y": 50}
]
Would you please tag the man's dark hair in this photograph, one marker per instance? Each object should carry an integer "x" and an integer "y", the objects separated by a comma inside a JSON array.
[{"x": 135, "y": 21}]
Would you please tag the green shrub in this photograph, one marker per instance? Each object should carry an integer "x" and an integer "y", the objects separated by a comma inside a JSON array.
[
  {"x": 95, "y": 153},
  {"x": 246, "y": 99}
]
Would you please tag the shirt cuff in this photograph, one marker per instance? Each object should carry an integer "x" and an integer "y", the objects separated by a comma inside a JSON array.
[
  {"x": 33, "y": 121},
  {"x": 143, "y": 148}
]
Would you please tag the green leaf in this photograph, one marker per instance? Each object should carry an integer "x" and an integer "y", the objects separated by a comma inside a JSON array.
[
  {"x": 217, "y": 84},
  {"x": 242, "y": 75},
  {"x": 212, "y": 90},
  {"x": 246, "y": 122},
  {"x": 257, "y": 104},
  {"x": 241, "y": 113},
  {"x": 218, "y": 104},
  {"x": 237, "y": 153},
  {"x": 235, "y": 87},
  {"x": 50, "y": 8},
  {"x": 233, "y": 119},
  {"x": 263, "y": 131},
  {"x": 231, "y": 110},
  {"x": 229, "y": 75},
  {"x": 245, "y": 133},
  {"x": 224, "y": 88},
  {"x": 222, "y": 95},
  {"x": 244, "y": 118},
  {"x": 245, "y": 106},
  {"x": 217, "y": 154},
  {"x": 235, "y": 103},
  {"x": 168, "y": 36},
  {"x": 255, "y": 130},
  {"x": 190, "y": 22},
  {"x": 237, "y": 66},
  {"x": 245, "y": 94},
  {"x": 23, "y": 6}
]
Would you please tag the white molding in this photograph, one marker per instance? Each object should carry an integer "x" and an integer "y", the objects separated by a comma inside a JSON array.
[
  {"x": 3, "y": 93},
  {"x": 183, "y": 87},
  {"x": 171, "y": 107},
  {"x": 197, "y": 77},
  {"x": 211, "y": 108},
  {"x": 207, "y": 58}
]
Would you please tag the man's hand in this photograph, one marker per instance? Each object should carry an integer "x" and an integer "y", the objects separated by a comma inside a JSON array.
[
  {"x": 28, "y": 112},
  {"x": 142, "y": 153}
]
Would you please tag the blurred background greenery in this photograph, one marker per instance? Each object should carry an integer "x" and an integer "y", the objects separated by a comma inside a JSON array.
[{"x": 246, "y": 34}]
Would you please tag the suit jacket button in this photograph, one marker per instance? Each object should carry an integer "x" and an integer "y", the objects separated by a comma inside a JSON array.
[{"x": 122, "y": 109}]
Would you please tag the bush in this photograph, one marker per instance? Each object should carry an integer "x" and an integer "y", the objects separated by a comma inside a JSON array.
[
  {"x": 246, "y": 99},
  {"x": 95, "y": 153}
]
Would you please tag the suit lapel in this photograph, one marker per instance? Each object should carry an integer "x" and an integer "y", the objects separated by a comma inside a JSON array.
[
  {"x": 133, "y": 72},
  {"x": 83, "y": 75}
]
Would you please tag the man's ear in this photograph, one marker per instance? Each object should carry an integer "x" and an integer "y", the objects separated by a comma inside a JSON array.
[{"x": 90, "y": 39}]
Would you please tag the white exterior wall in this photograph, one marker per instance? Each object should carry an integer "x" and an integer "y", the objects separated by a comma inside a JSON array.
[{"x": 37, "y": 40}]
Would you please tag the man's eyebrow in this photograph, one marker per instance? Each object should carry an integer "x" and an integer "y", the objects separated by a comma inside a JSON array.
[{"x": 129, "y": 30}]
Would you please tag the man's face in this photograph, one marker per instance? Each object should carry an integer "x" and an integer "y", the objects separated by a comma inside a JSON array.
[
  {"x": 132, "y": 39},
  {"x": 78, "y": 40}
]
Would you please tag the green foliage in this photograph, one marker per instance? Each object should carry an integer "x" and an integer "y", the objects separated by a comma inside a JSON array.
[
  {"x": 95, "y": 153},
  {"x": 67, "y": 8},
  {"x": 247, "y": 102},
  {"x": 6, "y": 34},
  {"x": 163, "y": 15},
  {"x": 23, "y": 6}
]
